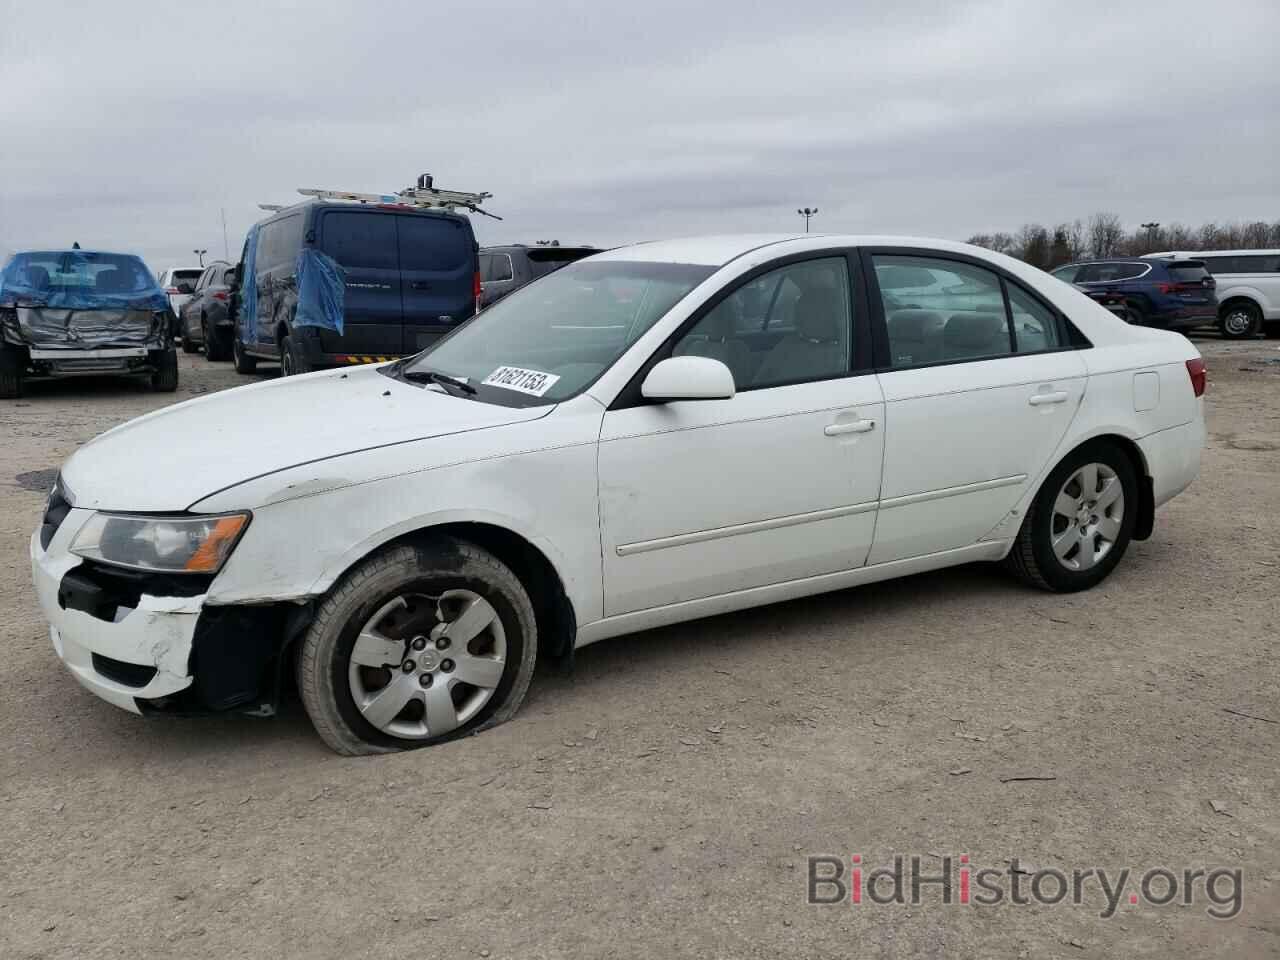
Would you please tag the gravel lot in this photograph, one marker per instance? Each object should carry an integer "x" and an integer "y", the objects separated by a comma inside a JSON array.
[{"x": 663, "y": 799}]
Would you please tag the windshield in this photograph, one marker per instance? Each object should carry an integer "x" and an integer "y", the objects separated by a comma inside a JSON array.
[
  {"x": 551, "y": 339},
  {"x": 80, "y": 280}
]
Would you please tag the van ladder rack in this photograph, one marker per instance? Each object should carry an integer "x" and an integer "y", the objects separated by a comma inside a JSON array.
[{"x": 422, "y": 195}]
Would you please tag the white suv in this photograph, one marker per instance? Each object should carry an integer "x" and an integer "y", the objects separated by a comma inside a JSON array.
[{"x": 1248, "y": 288}]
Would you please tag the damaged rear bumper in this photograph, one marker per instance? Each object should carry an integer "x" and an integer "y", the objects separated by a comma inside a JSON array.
[{"x": 152, "y": 653}]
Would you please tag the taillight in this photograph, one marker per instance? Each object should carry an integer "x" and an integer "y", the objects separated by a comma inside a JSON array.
[
  {"x": 219, "y": 295},
  {"x": 1196, "y": 371},
  {"x": 172, "y": 290},
  {"x": 476, "y": 289}
]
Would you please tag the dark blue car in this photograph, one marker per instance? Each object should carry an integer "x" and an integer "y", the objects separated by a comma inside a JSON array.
[{"x": 1176, "y": 294}]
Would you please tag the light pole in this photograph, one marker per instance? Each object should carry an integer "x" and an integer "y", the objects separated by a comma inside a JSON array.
[
  {"x": 200, "y": 254},
  {"x": 1151, "y": 229},
  {"x": 808, "y": 213}
]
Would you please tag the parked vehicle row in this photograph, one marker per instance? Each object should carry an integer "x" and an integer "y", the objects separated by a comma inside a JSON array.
[
  {"x": 650, "y": 435},
  {"x": 205, "y": 319},
  {"x": 505, "y": 269},
  {"x": 1248, "y": 289},
  {"x": 1173, "y": 293}
]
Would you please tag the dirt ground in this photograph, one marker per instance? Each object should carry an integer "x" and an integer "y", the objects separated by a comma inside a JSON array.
[{"x": 663, "y": 799}]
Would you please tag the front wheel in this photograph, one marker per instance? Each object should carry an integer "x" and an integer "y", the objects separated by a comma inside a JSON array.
[
  {"x": 418, "y": 644},
  {"x": 1080, "y": 523},
  {"x": 165, "y": 379},
  {"x": 1241, "y": 321},
  {"x": 292, "y": 359},
  {"x": 243, "y": 362}
]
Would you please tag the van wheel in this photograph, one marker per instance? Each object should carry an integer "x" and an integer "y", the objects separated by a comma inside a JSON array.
[
  {"x": 1241, "y": 321},
  {"x": 12, "y": 373},
  {"x": 244, "y": 363},
  {"x": 1080, "y": 522},
  {"x": 165, "y": 379},
  {"x": 418, "y": 644},
  {"x": 292, "y": 359}
]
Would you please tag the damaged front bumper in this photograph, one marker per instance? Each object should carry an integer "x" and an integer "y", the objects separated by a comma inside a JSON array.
[{"x": 148, "y": 652}]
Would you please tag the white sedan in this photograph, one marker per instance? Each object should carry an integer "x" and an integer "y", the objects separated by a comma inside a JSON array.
[{"x": 654, "y": 434}]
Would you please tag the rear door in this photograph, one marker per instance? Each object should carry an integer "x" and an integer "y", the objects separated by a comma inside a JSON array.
[
  {"x": 437, "y": 271},
  {"x": 497, "y": 275},
  {"x": 365, "y": 245}
]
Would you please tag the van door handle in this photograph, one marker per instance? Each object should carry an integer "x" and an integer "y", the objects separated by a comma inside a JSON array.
[
  {"x": 1055, "y": 396},
  {"x": 419, "y": 285},
  {"x": 853, "y": 426}
]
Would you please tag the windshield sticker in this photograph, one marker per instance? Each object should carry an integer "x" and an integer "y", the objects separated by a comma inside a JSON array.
[{"x": 533, "y": 382}]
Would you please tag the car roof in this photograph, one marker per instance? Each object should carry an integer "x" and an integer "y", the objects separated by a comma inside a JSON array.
[
  {"x": 539, "y": 246},
  {"x": 58, "y": 253},
  {"x": 716, "y": 251},
  {"x": 1197, "y": 254}
]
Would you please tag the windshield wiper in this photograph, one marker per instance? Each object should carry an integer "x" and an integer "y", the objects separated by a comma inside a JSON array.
[{"x": 436, "y": 377}]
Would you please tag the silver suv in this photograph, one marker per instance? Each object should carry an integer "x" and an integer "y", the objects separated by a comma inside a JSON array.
[{"x": 1248, "y": 288}]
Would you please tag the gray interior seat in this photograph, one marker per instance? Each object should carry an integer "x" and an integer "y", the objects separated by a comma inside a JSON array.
[
  {"x": 816, "y": 349},
  {"x": 37, "y": 278},
  {"x": 975, "y": 334},
  {"x": 714, "y": 338},
  {"x": 111, "y": 281},
  {"x": 915, "y": 336}
]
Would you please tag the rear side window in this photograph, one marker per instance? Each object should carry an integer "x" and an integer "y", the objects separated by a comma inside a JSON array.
[
  {"x": 1188, "y": 271},
  {"x": 433, "y": 244},
  {"x": 1111, "y": 272},
  {"x": 1034, "y": 326},
  {"x": 360, "y": 240},
  {"x": 1247, "y": 263},
  {"x": 495, "y": 267},
  {"x": 544, "y": 260},
  {"x": 278, "y": 243},
  {"x": 958, "y": 314}
]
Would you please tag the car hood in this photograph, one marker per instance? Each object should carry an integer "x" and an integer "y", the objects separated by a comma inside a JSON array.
[{"x": 175, "y": 457}]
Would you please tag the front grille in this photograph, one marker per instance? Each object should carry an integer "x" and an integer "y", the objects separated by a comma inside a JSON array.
[
  {"x": 126, "y": 674},
  {"x": 55, "y": 512}
]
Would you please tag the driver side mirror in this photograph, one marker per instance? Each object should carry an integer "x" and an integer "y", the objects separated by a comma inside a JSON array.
[{"x": 688, "y": 378}]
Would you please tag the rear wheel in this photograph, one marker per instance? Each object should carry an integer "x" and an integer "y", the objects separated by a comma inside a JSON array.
[
  {"x": 416, "y": 645},
  {"x": 12, "y": 373},
  {"x": 244, "y": 363},
  {"x": 1134, "y": 314},
  {"x": 188, "y": 345},
  {"x": 165, "y": 379},
  {"x": 1240, "y": 321},
  {"x": 1080, "y": 523},
  {"x": 214, "y": 342}
]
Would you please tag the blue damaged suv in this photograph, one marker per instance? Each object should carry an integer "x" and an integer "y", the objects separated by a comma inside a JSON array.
[
  {"x": 1173, "y": 293},
  {"x": 326, "y": 283}
]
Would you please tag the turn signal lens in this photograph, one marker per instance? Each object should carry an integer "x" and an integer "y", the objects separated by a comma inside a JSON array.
[{"x": 1198, "y": 375}]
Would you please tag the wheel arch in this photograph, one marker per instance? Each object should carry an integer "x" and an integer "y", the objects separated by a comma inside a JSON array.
[{"x": 1237, "y": 298}]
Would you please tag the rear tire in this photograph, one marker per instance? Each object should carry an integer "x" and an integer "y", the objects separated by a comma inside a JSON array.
[
  {"x": 214, "y": 343},
  {"x": 387, "y": 606},
  {"x": 1240, "y": 321},
  {"x": 1135, "y": 315},
  {"x": 1073, "y": 537},
  {"x": 244, "y": 363},
  {"x": 165, "y": 380},
  {"x": 188, "y": 346},
  {"x": 12, "y": 373}
]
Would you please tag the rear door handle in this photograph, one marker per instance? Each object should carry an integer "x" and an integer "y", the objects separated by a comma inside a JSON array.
[
  {"x": 853, "y": 426},
  {"x": 1056, "y": 396}
]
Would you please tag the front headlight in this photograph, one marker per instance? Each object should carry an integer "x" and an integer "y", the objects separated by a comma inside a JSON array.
[{"x": 163, "y": 544}]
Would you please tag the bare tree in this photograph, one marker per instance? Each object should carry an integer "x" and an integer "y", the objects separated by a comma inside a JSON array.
[
  {"x": 1255, "y": 236},
  {"x": 981, "y": 240},
  {"x": 1180, "y": 237},
  {"x": 1105, "y": 234},
  {"x": 1032, "y": 245},
  {"x": 1003, "y": 242},
  {"x": 1075, "y": 239}
]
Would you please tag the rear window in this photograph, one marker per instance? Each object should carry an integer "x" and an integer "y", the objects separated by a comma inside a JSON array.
[
  {"x": 544, "y": 260},
  {"x": 186, "y": 276},
  {"x": 433, "y": 244},
  {"x": 80, "y": 272},
  {"x": 1188, "y": 271},
  {"x": 1111, "y": 272},
  {"x": 360, "y": 240}
]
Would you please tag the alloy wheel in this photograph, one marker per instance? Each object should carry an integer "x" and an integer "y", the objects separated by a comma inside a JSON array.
[
  {"x": 1237, "y": 323},
  {"x": 424, "y": 665},
  {"x": 1087, "y": 516}
]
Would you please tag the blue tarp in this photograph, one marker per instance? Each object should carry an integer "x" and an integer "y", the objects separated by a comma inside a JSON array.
[
  {"x": 248, "y": 311},
  {"x": 80, "y": 280},
  {"x": 321, "y": 291}
]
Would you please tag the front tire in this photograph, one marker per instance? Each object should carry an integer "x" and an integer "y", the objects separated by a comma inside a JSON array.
[
  {"x": 165, "y": 379},
  {"x": 243, "y": 362},
  {"x": 1241, "y": 321},
  {"x": 292, "y": 360},
  {"x": 1080, "y": 522},
  {"x": 12, "y": 373},
  {"x": 416, "y": 645}
]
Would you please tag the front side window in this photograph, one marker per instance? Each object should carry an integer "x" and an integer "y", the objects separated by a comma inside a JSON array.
[
  {"x": 1067, "y": 274},
  {"x": 937, "y": 311},
  {"x": 790, "y": 325},
  {"x": 550, "y": 340}
]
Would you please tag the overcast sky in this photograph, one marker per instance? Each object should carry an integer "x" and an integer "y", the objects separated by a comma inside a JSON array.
[{"x": 130, "y": 126}]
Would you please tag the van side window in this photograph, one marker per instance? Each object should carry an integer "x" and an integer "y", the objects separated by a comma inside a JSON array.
[{"x": 360, "y": 240}]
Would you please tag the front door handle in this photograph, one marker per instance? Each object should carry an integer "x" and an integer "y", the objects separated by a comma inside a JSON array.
[
  {"x": 1056, "y": 396},
  {"x": 853, "y": 426}
]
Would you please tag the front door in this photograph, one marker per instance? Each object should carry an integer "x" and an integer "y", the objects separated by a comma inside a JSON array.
[
  {"x": 980, "y": 386},
  {"x": 701, "y": 498}
]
